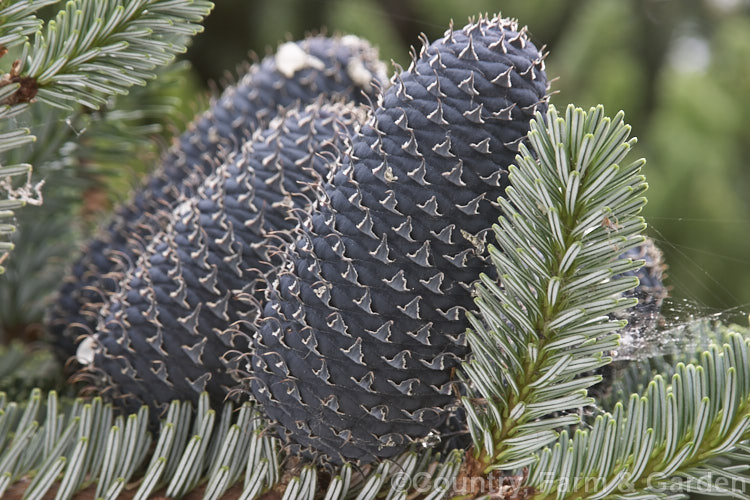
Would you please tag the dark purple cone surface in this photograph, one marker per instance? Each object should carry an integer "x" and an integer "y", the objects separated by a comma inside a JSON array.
[
  {"x": 365, "y": 322},
  {"x": 300, "y": 72},
  {"x": 166, "y": 333}
]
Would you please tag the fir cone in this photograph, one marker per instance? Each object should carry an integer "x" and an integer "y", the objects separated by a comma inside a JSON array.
[
  {"x": 365, "y": 323},
  {"x": 300, "y": 72},
  {"x": 166, "y": 332}
]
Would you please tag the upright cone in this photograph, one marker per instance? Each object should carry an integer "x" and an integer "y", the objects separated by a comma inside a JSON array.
[
  {"x": 365, "y": 322},
  {"x": 344, "y": 68},
  {"x": 167, "y": 332}
]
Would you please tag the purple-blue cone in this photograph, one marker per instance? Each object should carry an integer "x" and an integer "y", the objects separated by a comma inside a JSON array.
[
  {"x": 364, "y": 326},
  {"x": 345, "y": 68},
  {"x": 169, "y": 330}
]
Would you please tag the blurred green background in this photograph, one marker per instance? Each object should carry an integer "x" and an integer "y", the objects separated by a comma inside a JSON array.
[{"x": 680, "y": 69}]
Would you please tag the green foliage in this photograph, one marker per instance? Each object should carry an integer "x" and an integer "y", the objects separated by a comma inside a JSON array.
[
  {"x": 95, "y": 49},
  {"x": 673, "y": 438},
  {"x": 18, "y": 20},
  {"x": 92, "y": 50},
  {"x": 572, "y": 209},
  {"x": 76, "y": 445},
  {"x": 681, "y": 71},
  {"x": 542, "y": 332}
]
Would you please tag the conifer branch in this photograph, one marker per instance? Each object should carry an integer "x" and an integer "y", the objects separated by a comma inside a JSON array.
[
  {"x": 92, "y": 50},
  {"x": 666, "y": 441},
  {"x": 86, "y": 447},
  {"x": 18, "y": 21},
  {"x": 571, "y": 211}
]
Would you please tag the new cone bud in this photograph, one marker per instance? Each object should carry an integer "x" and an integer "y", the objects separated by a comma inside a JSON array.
[{"x": 365, "y": 323}]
